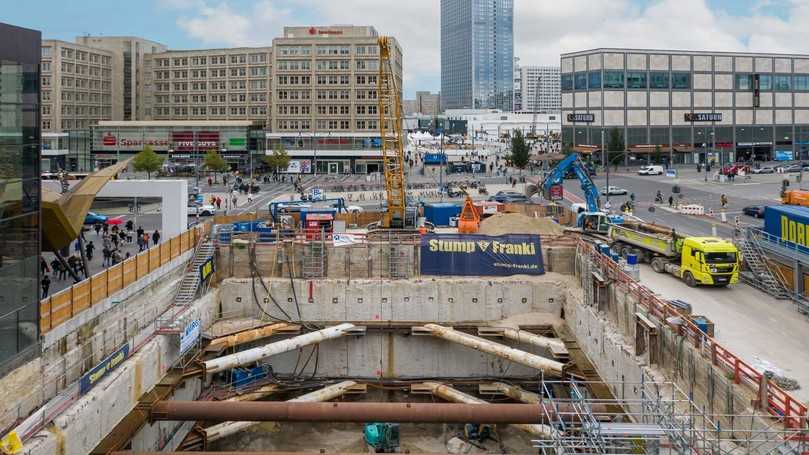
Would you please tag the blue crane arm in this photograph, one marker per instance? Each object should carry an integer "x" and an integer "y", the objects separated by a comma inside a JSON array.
[{"x": 557, "y": 175}]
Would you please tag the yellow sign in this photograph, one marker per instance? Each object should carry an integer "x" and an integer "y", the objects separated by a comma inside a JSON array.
[{"x": 11, "y": 444}]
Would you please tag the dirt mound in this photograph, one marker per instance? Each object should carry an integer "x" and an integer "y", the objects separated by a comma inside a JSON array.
[{"x": 517, "y": 223}]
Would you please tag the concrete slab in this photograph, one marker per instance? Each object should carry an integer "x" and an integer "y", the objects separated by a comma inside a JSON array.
[{"x": 752, "y": 324}]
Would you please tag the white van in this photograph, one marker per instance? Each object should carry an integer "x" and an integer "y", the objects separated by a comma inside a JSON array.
[{"x": 651, "y": 170}]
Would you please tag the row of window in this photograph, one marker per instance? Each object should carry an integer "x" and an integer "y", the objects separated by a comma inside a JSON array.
[
  {"x": 596, "y": 80},
  {"x": 212, "y": 60},
  {"x": 664, "y": 80},
  {"x": 68, "y": 95},
  {"x": 202, "y": 99},
  {"x": 69, "y": 124},
  {"x": 197, "y": 111},
  {"x": 697, "y": 135},
  {"x": 76, "y": 54},
  {"x": 213, "y": 85}
]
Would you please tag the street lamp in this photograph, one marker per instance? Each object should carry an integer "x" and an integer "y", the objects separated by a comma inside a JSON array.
[{"x": 609, "y": 163}]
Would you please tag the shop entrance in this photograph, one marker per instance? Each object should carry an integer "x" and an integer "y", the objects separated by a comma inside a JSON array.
[{"x": 334, "y": 168}]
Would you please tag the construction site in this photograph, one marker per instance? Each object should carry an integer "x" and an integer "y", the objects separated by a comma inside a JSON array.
[{"x": 318, "y": 331}]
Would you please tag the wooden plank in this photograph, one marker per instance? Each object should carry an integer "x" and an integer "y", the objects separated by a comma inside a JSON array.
[
  {"x": 175, "y": 247},
  {"x": 130, "y": 271},
  {"x": 98, "y": 287},
  {"x": 81, "y": 297},
  {"x": 184, "y": 241},
  {"x": 165, "y": 253},
  {"x": 154, "y": 259},
  {"x": 115, "y": 278},
  {"x": 143, "y": 264},
  {"x": 45, "y": 315}
]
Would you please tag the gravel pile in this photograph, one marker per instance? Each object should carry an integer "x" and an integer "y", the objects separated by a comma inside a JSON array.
[{"x": 517, "y": 223}]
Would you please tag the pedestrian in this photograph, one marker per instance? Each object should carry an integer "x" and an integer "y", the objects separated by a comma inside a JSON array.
[
  {"x": 156, "y": 237},
  {"x": 43, "y": 265},
  {"x": 115, "y": 240},
  {"x": 130, "y": 225},
  {"x": 218, "y": 203},
  {"x": 77, "y": 246},
  {"x": 46, "y": 283},
  {"x": 210, "y": 181},
  {"x": 671, "y": 200},
  {"x": 140, "y": 243},
  {"x": 140, "y": 231},
  {"x": 129, "y": 238},
  {"x": 71, "y": 262},
  {"x": 116, "y": 257},
  {"x": 105, "y": 227},
  {"x": 106, "y": 254},
  {"x": 89, "y": 250},
  {"x": 122, "y": 236},
  {"x": 723, "y": 200},
  {"x": 97, "y": 227},
  {"x": 55, "y": 266},
  {"x": 145, "y": 240}
]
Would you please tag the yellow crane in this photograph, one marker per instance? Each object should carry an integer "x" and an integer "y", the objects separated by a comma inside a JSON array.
[{"x": 389, "y": 107}]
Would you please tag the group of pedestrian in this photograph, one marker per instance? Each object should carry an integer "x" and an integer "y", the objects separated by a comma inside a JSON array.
[{"x": 216, "y": 201}]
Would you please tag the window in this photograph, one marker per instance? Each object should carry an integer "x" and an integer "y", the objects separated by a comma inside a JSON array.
[
  {"x": 567, "y": 82},
  {"x": 681, "y": 80},
  {"x": 636, "y": 79},
  {"x": 580, "y": 80},
  {"x": 744, "y": 82},
  {"x": 613, "y": 79},
  {"x": 801, "y": 83},
  {"x": 595, "y": 80},
  {"x": 765, "y": 82},
  {"x": 781, "y": 83}
]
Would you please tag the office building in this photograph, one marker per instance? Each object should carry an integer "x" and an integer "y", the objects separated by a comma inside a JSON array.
[
  {"x": 517, "y": 104},
  {"x": 541, "y": 89},
  {"x": 693, "y": 106},
  {"x": 128, "y": 76},
  {"x": 426, "y": 103},
  {"x": 76, "y": 86},
  {"x": 324, "y": 101},
  {"x": 20, "y": 201},
  {"x": 209, "y": 84},
  {"x": 477, "y": 54}
]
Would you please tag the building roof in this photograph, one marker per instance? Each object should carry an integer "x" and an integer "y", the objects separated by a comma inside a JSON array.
[
  {"x": 170, "y": 123},
  {"x": 675, "y": 51}
]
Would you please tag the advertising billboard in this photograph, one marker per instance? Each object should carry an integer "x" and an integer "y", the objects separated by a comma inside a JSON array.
[{"x": 481, "y": 255}]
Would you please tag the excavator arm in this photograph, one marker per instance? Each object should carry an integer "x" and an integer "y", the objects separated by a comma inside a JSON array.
[{"x": 573, "y": 163}]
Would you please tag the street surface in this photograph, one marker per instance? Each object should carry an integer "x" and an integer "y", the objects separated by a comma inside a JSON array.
[{"x": 763, "y": 331}]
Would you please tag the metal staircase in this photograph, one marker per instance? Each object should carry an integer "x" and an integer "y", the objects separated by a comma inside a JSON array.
[
  {"x": 314, "y": 256},
  {"x": 761, "y": 275},
  {"x": 187, "y": 291}
]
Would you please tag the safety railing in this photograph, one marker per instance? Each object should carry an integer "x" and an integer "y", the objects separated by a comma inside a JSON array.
[
  {"x": 779, "y": 403},
  {"x": 66, "y": 304}
]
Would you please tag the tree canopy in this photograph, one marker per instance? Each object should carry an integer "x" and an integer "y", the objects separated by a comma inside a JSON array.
[
  {"x": 519, "y": 150},
  {"x": 147, "y": 161},
  {"x": 215, "y": 162},
  {"x": 279, "y": 158}
]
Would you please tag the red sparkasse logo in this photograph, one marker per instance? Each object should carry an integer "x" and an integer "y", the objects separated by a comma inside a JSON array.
[
  {"x": 312, "y": 31},
  {"x": 109, "y": 139}
]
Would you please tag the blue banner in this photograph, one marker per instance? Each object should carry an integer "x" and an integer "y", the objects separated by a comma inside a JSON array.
[
  {"x": 252, "y": 226},
  {"x": 481, "y": 255},
  {"x": 112, "y": 362}
]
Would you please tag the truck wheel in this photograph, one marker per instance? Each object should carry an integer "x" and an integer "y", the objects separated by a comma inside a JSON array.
[
  {"x": 689, "y": 280},
  {"x": 658, "y": 265}
]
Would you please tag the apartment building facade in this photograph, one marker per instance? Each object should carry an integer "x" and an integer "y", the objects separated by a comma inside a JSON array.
[
  {"x": 209, "y": 84},
  {"x": 540, "y": 89},
  {"x": 694, "y": 106}
]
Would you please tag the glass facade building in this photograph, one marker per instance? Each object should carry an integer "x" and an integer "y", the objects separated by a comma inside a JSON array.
[
  {"x": 477, "y": 54},
  {"x": 19, "y": 194},
  {"x": 692, "y": 106}
]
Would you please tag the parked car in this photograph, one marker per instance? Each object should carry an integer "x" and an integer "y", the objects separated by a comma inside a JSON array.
[
  {"x": 613, "y": 191},
  {"x": 764, "y": 170},
  {"x": 792, "y": 168},
  {"x": 201, "y": 209},
  {"x": 508, "y": 196},
  {"x": 93, "y": 218},
  {"x": 651, "y": 170},
  {"x": 756, "y": 211}
]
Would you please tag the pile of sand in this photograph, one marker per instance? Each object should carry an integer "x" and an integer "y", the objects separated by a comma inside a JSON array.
[{"x": 517, "y": 223}]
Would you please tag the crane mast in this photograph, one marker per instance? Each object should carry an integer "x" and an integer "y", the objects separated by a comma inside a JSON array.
[{"x": 389, "y": 106}]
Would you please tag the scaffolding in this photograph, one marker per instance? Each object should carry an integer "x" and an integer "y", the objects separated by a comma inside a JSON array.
[{"x": 658, "y": 418}]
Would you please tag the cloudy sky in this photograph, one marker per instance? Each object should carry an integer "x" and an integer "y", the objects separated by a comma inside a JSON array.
[{"x": 543, "y": 28}]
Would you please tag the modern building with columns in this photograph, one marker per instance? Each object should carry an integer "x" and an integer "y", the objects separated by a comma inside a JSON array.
[{"x": 688, "y": 105}]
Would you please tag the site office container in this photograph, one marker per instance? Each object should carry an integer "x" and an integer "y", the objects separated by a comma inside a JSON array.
[
  {"x": 788, "y": 223},
  {"x": 439, "y": 213}
]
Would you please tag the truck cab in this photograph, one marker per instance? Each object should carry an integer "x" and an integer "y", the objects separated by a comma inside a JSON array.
[{"x": 709, "y": 261}]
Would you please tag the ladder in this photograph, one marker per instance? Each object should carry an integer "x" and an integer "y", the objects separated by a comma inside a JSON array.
[
  {"x": 187, "y": 291},
  {"x": 314, "y": 253},
  {"x": 761, "y": 275}
]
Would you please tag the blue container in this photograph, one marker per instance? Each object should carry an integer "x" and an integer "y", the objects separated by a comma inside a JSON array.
[
  {"x": 788, "y": 223},
  {"x": 435, "y": 158},
  {"x": 615, "y": 256},
  {"x": 701, "y": 323},
  {"x": 439, "y": 213},
  {"x": 632, "y": 259},
  {"x": 605, "y": 249}
]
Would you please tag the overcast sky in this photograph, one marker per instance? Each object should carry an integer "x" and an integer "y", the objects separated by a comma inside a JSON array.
[{"x": 543, "y": 28}]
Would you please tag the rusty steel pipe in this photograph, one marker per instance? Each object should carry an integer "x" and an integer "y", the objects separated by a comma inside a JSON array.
[{"x": 285, "y": 411}]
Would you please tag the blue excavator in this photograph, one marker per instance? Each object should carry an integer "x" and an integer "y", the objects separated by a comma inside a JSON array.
[{"x": 590, "y": 218}]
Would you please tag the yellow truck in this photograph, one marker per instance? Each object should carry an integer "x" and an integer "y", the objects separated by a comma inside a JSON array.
[{"x": 706, "y": 261}]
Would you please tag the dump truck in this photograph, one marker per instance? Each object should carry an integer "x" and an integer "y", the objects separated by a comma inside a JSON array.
[
  {"x": 708, "y": 261},
  {"x": 795, "y": 197}
]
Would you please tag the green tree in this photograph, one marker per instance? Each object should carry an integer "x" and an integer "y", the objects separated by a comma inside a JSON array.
[
  {"x": 519, "y": 150},
  {"x": 615, "y": 146},
  {"x": 279, "y": 158},
  {"x": 147, "y": 160},
  {"x": 567, "y": 148},
  {"x": 658, "y": 155},
  {"x": 214, "y": 162}
]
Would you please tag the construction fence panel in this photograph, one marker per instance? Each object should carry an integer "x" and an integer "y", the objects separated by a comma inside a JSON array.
[
  {"x": 129, "y": 271},
  {"x": 81, "y": 296},
  {"x": 184, "y": 241},
  {"x": 45, "y": 314},
  {"x": 115, "y": 278},
  {"x": 61, "y": 307},
  {"x": 174, "y": 243},
  {"x": 154, "y": 259},
  {"x": 165, "y": 253},
  {"x": 143, "y": 264},
  {"x": 98, "y": 287}
]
